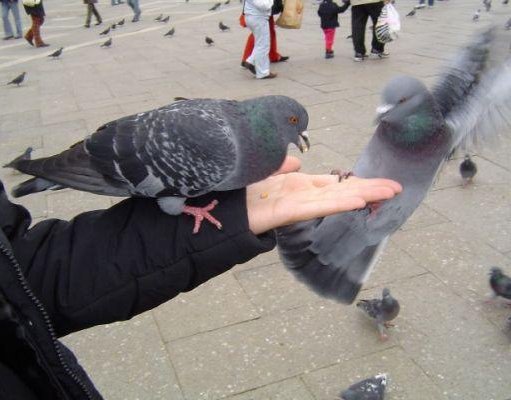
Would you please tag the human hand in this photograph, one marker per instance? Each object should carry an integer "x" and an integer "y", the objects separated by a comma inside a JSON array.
[{"x": 290, "y": 197}]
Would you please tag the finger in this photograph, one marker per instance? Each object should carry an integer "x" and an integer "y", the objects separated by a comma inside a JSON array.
[
  {"x": 325, "y": 207},
  {"x": 368, "y": 194},
  {"x": 375, "y": 182},
  {"x": 290, "y": 164}
]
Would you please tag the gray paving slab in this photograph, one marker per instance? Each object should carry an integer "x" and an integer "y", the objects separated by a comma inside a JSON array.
[{"x": 255, "y": 332}]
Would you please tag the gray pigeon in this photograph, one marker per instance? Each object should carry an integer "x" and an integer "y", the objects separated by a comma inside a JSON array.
[
  {"x": 105, "y": 32},
  {"x": 178, "y": 151},
  {"x": 417, "y": 131},
  {"x": 468, "y": 169},
  {"x": 381, "y": 310},
  {"x": 507, "y": 26},
  {"x": 18, "y": 80},
  {"x": 476, "y": 16},
  {"x": 170, "y": 32},
  {"x": 487, "y": 5},
  {"x": 166, "y": 19},
  {"x": 500, "y": 283},
  {"x": 209, "y": 41},
  {"x": 505, "y": 2},
  {"x": 56, "y": 53},
  {"x": 215, "y": 6},
  {"x": 108, "y": 43},
  {"x": 159, "y": 17},
  {"x": 121, "y": 22},
  {"x": 411, "y": 13},
  {"x": 223, "y": 27},
  {"x": 368, "y": 389}
]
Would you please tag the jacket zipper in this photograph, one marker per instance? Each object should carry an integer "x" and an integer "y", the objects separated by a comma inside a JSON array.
[{"x": 46, "y": 318}]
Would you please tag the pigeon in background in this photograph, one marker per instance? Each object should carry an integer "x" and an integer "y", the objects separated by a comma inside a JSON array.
[
  {"x": 18, "y": 80},
  {"x": 411, "y": 13},
  {"x": 25, "y": 156},
  {"x": 209, "y": 41},
  {"x": 166, "y": 19},
  {"x": 349, "y": 37},
  {"x": 215, "y": 6},
  {"x": 505, "y": 2},
  {"x": 113, "y": 26},
  {"x": 468, "y": 170},
  {"x": 508, "y": 25},
  {"x": 368, "y": 389},
  {"x": 476, "y": 16},
  {"x": 179, "y": 151},
  {"x": 223, "y": 27},
  {"x": 417, "y": 130},
  {"x": 159, "y": 17},
  {"x": 121, "y": 22},
  {"x": 170, "y": 32},
  {"x": 500, "y": 283},
  {"x": 56, "y": 53},
  {"x": 381, "y": 310},
  {"x": 105, "y": 32},
  {"x": 108, "y": 43},
  {"x": 227, "y": 2},
  {"x": 487, "y": 5}
]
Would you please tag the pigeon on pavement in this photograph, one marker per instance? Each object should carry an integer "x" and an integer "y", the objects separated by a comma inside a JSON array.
[
  {"x": 507, "y": 26},
  {"x": 468, "y": 170},
  {"x": 56, "y": 53},
  {"x": 476, "y": 16},
  {"x": 500, "y": 283},
  {"x": 368, "y": 389},
  {"x": 108, "y": 43},
  {"x": 105, "y": 32},
  {"x": 178, "y": 151},
  {"x": 18, "y": 80},
  {"x": 159, "y": 17},
  {"x": 487, "y": 5},
  {"x": 215, "y": 6},
  {"x": 166, "y": 19},
  {"x": 381, "y": 310},
  {"x": 223, "y": 27},
  {"x": 170, "y": 32},
  {"x": 417, "y": 131},
  {"x": 209, "y": 41},
  {"x": 121, "y": 22},
  {"x": 411, "y": 13}
]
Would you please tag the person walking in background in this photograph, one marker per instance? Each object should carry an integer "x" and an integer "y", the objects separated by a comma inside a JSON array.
[
  {"x": 274, "y": 55},
  {"x": 136, "y": 10},
  {"x": 422, "y": 3},
  {"x": 11, "y": 5},
  {"x": 361, "y": 10},
  {"x": 91, "y": 9},
  {"x": 329, "y": 12},
  {"x": 257, "y": 14},
  {"x": 33, "y": 35}
]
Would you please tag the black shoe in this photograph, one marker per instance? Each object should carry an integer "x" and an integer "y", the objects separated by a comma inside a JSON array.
[
  {"x": 329, "y": 54},
  {"x": 379, "y": 54},
  {"x": 98, "y": 23},
  {"x": 283, "y": 58},
  {"x": 42, "y": 45},
  {"x": 86, "y": 26},
  {"x": 358, "y": 57},
  {"x": 248, "y": 66},
  {"x": 8, "y": 37},
  {"x": 271, "y": 75}
]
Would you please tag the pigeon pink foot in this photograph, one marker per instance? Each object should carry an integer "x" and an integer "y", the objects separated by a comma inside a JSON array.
[{"x": 201, "y": 213}]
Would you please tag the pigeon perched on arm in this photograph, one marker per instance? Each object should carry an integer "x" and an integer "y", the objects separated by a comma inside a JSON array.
[
  {"x": 500, "y": 283},
  {"x": 368, "y": 389},
  {"x": 56, "y": 53},
  {"x": 381, "y": 310},
  {"x": 18, "y": 80},
  {"x": 417, "y": 131},
  {"x": 178, "y": 151},
  {"x": 468, "y": 170}
]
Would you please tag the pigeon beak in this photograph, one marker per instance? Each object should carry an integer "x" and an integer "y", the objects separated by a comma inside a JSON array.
[
  {"x": 303, "y": 142},
  {"x": 381, "y": 111}
]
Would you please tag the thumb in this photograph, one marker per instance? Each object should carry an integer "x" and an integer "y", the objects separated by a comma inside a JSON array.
[{"x": 290, "y": 164}]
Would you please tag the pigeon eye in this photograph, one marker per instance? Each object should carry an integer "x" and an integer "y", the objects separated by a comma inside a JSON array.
[{"x": 293, "y": 120}]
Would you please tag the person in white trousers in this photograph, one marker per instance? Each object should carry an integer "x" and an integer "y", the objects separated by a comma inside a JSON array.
[{"x": 257, "y": 13}]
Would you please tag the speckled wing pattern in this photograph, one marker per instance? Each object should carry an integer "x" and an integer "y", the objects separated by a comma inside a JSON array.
[
  {"x": 184, "y": 149},
  {"x": 371, "y": 307}
]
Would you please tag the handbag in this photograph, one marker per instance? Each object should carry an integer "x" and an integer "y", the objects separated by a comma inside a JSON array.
[
  {"x": 291, "y": 16},
  {"x": 31, "y": 3}
]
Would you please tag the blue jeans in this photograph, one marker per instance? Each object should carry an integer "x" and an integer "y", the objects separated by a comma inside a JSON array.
[
  {"x": 134, "y": 5},
  {"x": 5, "y": 16},
  {"x": 430, "y": 2}
]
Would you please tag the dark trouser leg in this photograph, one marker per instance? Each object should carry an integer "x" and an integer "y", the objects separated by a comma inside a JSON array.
[
  {"x": 374, "y": 11},
  {"x": 358, "y": 27},
  {"x": 96, "y": 13},
  {"x": 89, "y": 14}
]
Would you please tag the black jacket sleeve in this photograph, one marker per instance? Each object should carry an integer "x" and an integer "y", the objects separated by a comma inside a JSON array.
[{"x": 110, "y": 265}]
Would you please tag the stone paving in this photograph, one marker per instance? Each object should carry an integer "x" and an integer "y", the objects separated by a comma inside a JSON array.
[{"x": 256, "y": 333}]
